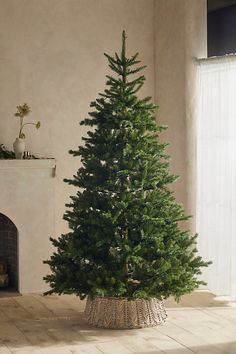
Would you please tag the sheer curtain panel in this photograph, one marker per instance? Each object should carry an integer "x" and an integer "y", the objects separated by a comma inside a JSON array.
[{"x": 216, "y": 179}]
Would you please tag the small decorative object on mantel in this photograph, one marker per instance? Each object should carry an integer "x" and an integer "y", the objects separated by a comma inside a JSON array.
[
  {"x": 6, "y": 154},
  {"x": 125, "y": 250},
  {"x": 19, "y": 144},
  {"x": 27, "y": 155}
]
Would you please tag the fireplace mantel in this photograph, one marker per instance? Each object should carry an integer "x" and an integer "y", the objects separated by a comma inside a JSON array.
[
  {"x": 27, "y": 199},
  {"x": 24, "y": 163}
]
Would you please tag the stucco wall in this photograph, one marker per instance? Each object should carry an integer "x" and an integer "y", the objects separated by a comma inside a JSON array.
[
  {"x": 51, "y": 56},
  {"x": 180, "y": 38}
]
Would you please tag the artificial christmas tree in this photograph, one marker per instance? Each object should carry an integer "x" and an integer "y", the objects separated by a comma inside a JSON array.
[{"x": 126, "y": 250}]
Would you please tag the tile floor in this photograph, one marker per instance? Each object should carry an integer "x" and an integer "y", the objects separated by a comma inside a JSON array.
[{"x": 47, "y": 325}]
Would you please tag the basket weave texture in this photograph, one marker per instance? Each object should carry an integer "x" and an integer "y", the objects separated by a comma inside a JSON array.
[{"x": 121, "y": 313}]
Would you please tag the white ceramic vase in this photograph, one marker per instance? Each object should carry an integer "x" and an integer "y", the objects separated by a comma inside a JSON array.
[{"x": 19, "y": 148}]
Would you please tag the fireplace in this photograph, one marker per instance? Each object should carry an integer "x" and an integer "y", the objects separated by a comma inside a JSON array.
[
  {"x": 8, "y": 254},
  {"x": 26, "y": 222}
]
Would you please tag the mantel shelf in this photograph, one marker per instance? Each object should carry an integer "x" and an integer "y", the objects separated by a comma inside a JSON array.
[{"x": 28, "y": 164}]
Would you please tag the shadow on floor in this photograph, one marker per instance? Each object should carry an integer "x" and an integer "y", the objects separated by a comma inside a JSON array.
[
  {"x": 200, "y": 299},
  {"x": 221, "y": 348},
  {"x": 9, "y": 293},
  {"x": 33, "y": 322}
]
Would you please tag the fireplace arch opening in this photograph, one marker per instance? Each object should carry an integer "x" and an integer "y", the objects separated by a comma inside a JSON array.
[{"x": 9, "y": 276}]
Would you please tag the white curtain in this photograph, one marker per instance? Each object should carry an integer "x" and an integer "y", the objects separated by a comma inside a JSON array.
[{"x": 216, "y": 180}]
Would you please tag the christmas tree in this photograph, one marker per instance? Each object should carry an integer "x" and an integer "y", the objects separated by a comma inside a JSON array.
[{"x": 125, "y": 238}]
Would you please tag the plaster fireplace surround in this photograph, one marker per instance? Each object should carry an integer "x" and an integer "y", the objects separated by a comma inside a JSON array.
[{"x": 26, "y": 221}]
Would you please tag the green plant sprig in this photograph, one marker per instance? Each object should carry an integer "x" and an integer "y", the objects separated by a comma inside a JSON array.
[{"x": 23, "y": 111}]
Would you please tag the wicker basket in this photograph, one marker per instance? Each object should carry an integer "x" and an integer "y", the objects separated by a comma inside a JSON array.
[{"x": 121, "y": 313}]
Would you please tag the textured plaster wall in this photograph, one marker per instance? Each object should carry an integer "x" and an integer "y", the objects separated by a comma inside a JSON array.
[
  {"x": 51, "y": 56},
  {"x": 180, "y": 38}
]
